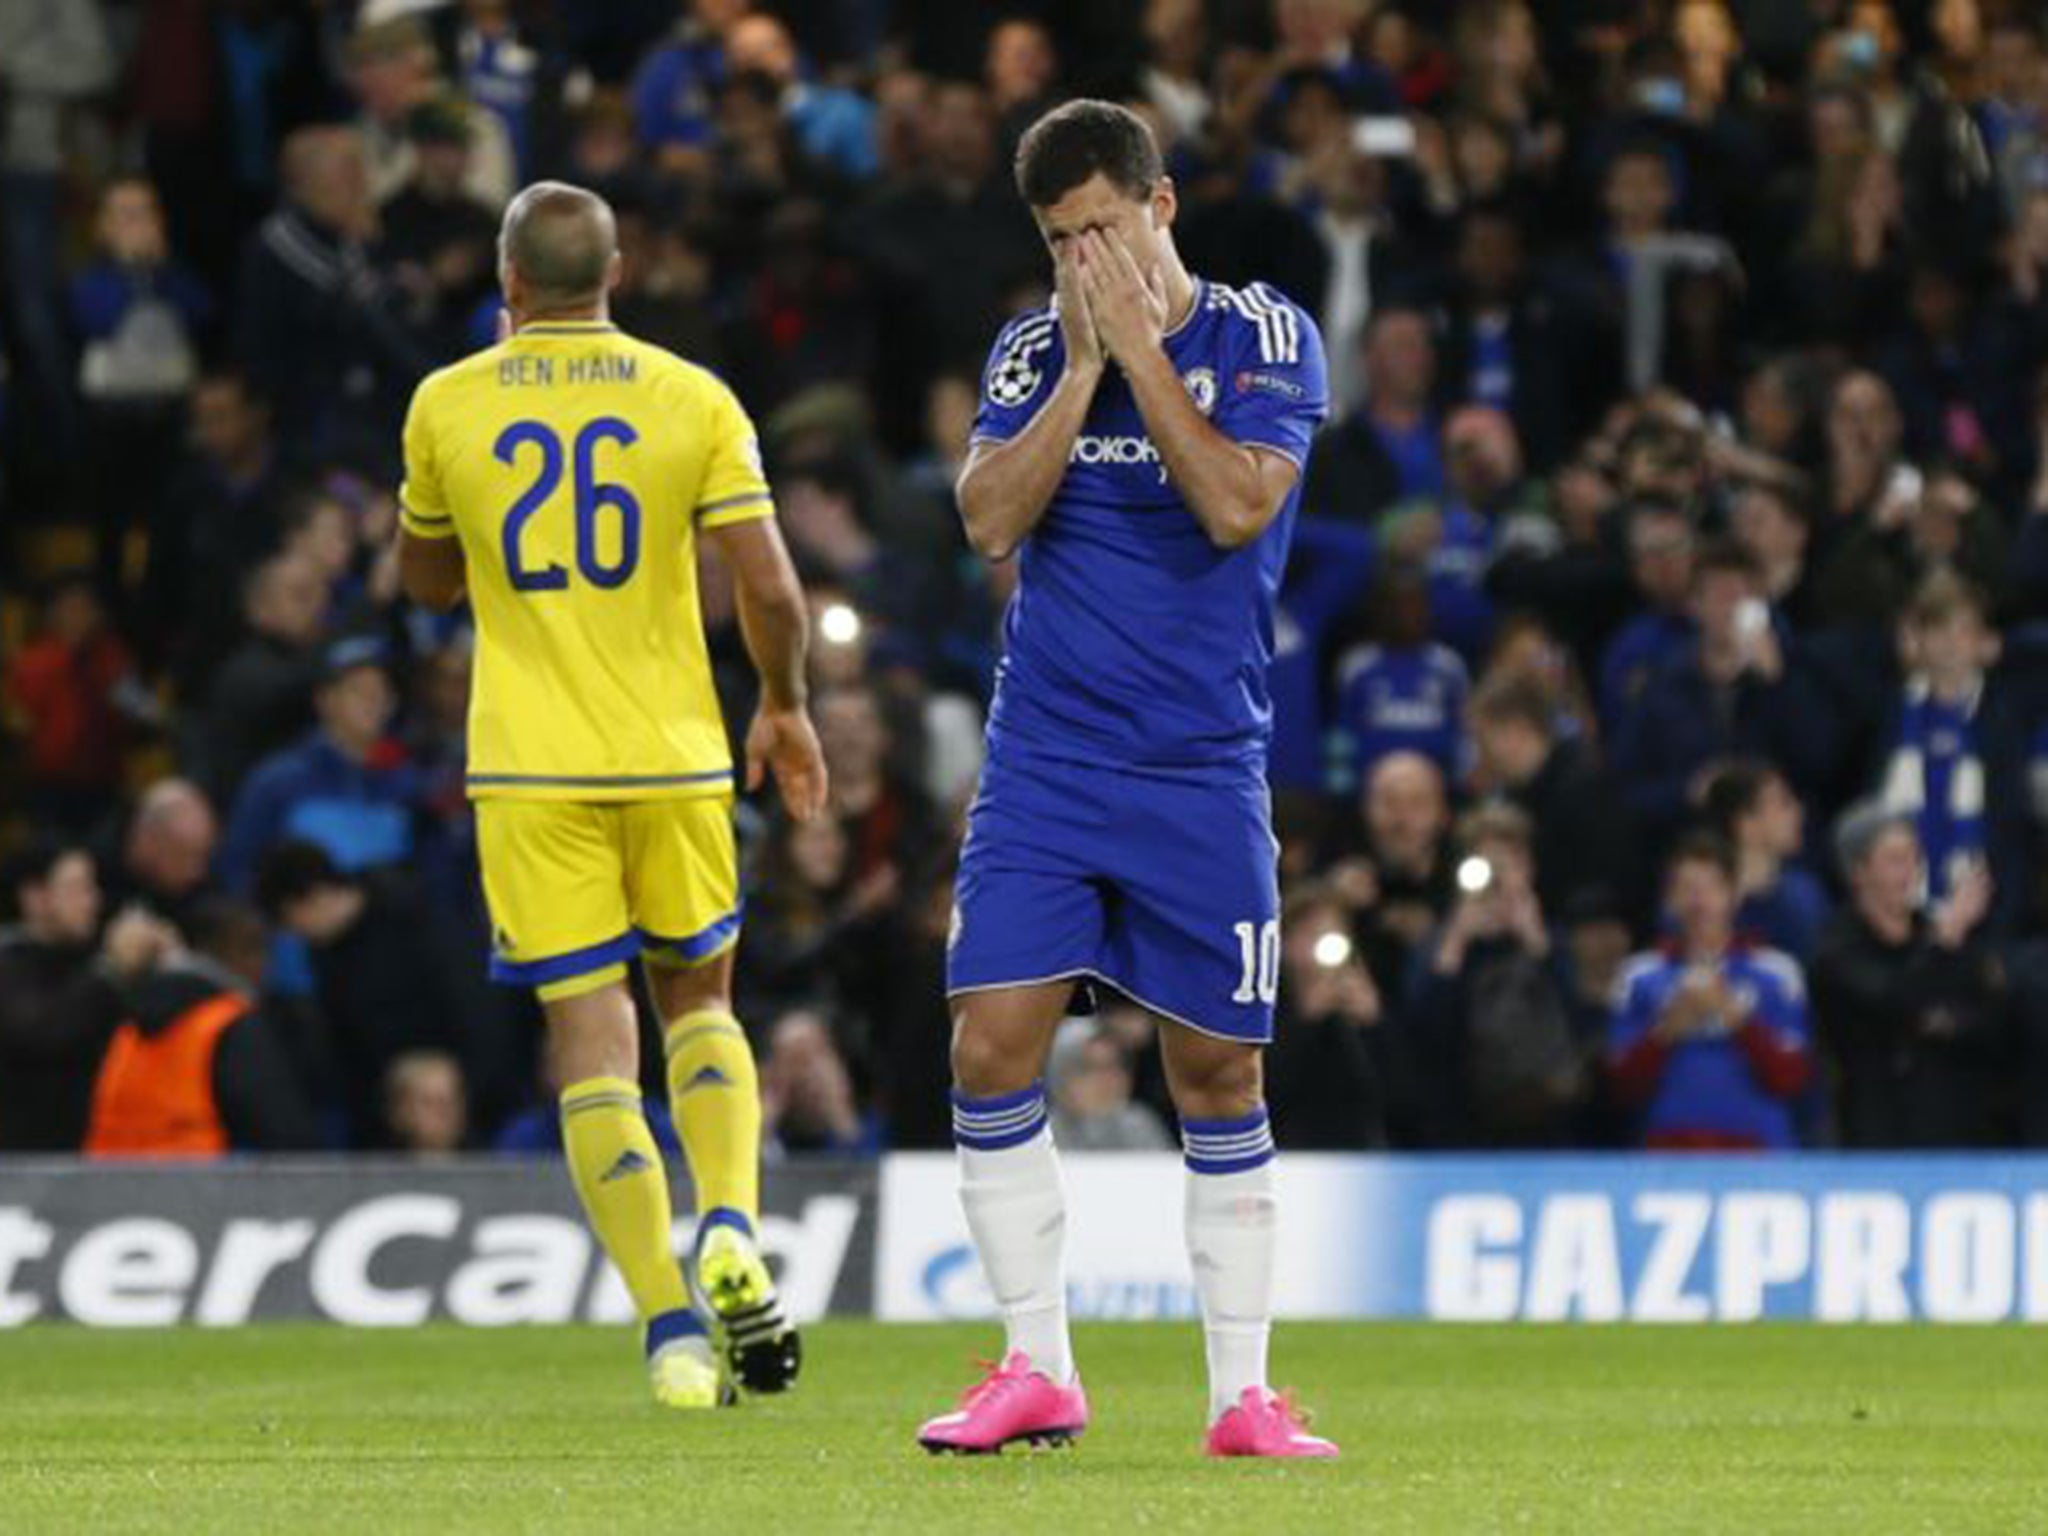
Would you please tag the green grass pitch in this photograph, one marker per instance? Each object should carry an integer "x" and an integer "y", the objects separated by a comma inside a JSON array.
[{"x": 1454, "y": 1429}]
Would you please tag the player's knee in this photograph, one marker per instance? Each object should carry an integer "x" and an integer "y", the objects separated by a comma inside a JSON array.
[
  {"x": 1221, "y": 1084},
  {"x": 986, "y": 1062},
  {"x": 686, "y": 989}
]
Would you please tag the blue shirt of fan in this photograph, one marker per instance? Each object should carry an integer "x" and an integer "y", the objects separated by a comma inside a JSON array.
[
  {"x": 1133, "y": 641},
  {"x": 1417, "y": 459},
  {"x": 1405, "y": 699},
  {"x": 1707, "y": 1084},
  {"x": 1460, "y": 612}
]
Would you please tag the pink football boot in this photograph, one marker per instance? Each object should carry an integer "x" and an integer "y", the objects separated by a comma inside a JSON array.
[
  {"x": 1265, "y": 1424},
  {"x": 1011, "y": 1403}
]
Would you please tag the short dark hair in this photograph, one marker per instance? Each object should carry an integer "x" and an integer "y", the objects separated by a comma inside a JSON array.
[
  {"x": 1733, "y": 792},
  {"x": 292, "y": 871},
  {"x": 1704, "y": 846},
  {"x": 1723, "y": 556},
  {"x": 35, "y": 862},
  {"x": 1086, "y": 138}
]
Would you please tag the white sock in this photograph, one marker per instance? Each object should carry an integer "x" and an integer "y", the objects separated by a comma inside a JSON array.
[
  {"x": 1017, "y": 1210},
  {"x": 1230, "y": 1215}
]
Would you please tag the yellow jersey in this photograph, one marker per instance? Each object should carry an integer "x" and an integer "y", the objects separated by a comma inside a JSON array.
[{"x": 576, "y": 465}]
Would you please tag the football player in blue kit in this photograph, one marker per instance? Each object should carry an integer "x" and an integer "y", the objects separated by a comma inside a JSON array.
[{"x": 1138, "y": 450}]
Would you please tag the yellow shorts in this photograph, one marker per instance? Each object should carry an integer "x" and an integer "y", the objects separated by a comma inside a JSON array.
[{"x": 579, "y": 888}]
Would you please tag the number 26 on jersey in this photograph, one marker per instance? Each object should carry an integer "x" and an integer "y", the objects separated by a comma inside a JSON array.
[{"x": 600, "y": 506}]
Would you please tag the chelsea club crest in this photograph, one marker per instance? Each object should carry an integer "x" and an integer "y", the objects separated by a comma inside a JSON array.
[{"x": 1201, "y": 388}]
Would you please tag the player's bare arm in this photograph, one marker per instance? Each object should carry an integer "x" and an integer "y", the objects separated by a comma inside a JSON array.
[
  {"x": 1233, "y": 491},
  {"x": 430, "y": 570},
  {"x": 773, "y": 619},
  {"x": 1005, "y": 487}
]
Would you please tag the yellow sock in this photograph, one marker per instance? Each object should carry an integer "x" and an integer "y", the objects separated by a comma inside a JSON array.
[
  {"x": 716, "y": 1098},
  {"x": 624, "y": 1189}
]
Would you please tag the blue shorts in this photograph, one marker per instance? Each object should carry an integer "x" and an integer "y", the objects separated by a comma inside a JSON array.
[{"x": 1166, "y": 888}]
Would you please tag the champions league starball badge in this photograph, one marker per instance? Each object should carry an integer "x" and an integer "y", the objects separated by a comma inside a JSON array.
[{"x": 1013, "y": 380}]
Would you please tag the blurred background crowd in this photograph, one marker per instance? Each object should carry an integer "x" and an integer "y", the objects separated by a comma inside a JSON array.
[{"x": 1661, "y": 700}]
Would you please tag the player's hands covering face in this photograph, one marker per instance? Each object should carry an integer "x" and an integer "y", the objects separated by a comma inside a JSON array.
[
  {"x": 1077, "y": 318},
  {"x": 783, "y": 742},
  {"x": 1129, "y": 305}
]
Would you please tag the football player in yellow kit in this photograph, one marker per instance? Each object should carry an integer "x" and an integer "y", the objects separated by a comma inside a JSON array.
[{"x": 562, "y": 479}]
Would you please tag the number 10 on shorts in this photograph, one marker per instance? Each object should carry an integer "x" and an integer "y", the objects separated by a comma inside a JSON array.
[{"x": 1259, "y": 945}]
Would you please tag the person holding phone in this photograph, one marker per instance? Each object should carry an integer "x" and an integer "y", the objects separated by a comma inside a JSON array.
[{"x": 1709, "y": 1042}]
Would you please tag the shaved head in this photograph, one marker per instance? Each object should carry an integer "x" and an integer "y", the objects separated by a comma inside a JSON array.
[{"x": 556, "y": 248}]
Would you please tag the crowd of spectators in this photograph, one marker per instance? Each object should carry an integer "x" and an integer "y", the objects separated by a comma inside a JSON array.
[{"x": 1661, "y": 693}]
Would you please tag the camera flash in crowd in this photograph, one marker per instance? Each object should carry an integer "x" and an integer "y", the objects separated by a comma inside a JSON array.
[
  {"x": 838, "y": 624},
  {"x": 1332, "y": 950},
  {"x": 1474, "y": 875}
]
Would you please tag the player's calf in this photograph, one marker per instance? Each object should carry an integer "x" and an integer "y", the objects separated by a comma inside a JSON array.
[{"x": 1231, "y": 1209}]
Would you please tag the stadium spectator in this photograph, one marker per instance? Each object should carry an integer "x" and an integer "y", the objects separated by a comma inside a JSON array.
[
  {"x": 1330, "y": 1070},
  {"x": 378, "y": 980},
  {"x": 1954, "y": 756},
  {"x": 140, "y": 318},
  {"x": 1661, "y": 552},
  {"x": 885, "y": 815},
  {"x": 1175, "y": 76},
  {"x": 1930, "y": 523},
  {"x": 1403, "y": 691},
  {"x": 346, "y": 787},
  {"x": 672, "y": 93},
  {"x": 74, "y": 697},
  {"x": 1781, "y": 902},
  {"x": 1020, "y": 70},
  {"x": 1459, "y": 534},
  {"x": 500, "y": 72},
  {"x": 1488, "y": 1025},
  {"x": 816, "y": 929},
  {"x": 1407, "y": 821},
  {"x": 262, "y": 695},
  {"x": 1734, "y": 692},
  {"x": 318, "y": 329},
  {"x": 1330, "y": 564},
  {"x": 392, "y": 72},
  {"x": 1908, "y": 1001},
  {"x": 946, "y": 238},
  {"x": 56, "y": 57},
  {"x": 1581, "y": 840},
  {"x": 1771, "y": 526},
  {"x": 836, "y": 126},
  {"x": 426, "y": 1110},
  {"x": 1088, "y": 1085},
  {"x": 225, "y": 500},
  {"x": 1387, "y": 448},
  {"x": 62, "y": 995},
  {"x": 1710, "y": 1043},
  {"x": 1507, "y": 343},
  {"x": 1865, "y": 473},
  {"x": 440, "y": 238},
  {"x": 197, "y": 1070},
  {"x": 165, "y": 855},
  {"x": 807, "y": 1101}
]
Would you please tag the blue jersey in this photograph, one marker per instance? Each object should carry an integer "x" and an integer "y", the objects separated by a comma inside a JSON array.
[
  {"x": 1133, "y": 641},
  {"x": 1708, "y": 1084},
  {"x": 1405, "y": 699}
]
